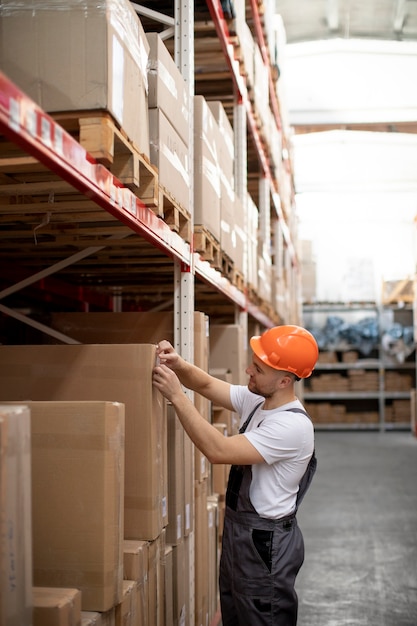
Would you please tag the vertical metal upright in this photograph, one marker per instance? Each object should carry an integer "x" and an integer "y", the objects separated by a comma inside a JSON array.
[{"x": 184, "y": 275}]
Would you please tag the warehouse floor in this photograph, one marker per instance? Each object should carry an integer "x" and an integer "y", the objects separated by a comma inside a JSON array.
[{"x": 359, "y": 522}]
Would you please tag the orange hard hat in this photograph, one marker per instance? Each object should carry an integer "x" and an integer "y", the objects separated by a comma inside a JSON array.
[{"x": 289, "y": 348}]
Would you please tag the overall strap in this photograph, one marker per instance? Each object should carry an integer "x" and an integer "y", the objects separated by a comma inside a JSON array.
[
  {"x": 311, "y": 467},
  {"x": 248, "y": 419}
]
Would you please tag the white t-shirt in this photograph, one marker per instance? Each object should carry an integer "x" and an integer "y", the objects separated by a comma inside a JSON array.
[{"x": 286, "y": 441}]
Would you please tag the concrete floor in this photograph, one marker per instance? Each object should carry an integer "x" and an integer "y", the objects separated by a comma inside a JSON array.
[{"x": 359, "y": 522}]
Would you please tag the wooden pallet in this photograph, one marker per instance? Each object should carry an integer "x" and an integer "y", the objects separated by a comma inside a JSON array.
[
  {"x": 177, "y": 218},
  {"x": 101, "y": 137},
  {"x": 238, "y": 280},
  {"x": 208, "y": 246}
]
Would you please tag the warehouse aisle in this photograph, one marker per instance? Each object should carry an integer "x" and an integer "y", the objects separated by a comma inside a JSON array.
[{"x": 359, "y": 522}]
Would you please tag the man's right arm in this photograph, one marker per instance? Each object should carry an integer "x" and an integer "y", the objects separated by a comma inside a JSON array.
[{"x": 192, "y": 377}]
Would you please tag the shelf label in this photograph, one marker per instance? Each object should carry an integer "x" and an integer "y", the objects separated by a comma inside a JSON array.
[{"x": 14, "y": 111}]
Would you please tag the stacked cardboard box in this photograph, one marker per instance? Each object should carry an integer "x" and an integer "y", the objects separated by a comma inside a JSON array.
[
  {"x": 226, "y": 152},
  {"x": 120, "y": 373},
  {"x": 56, "y": 606},
  {"x": 182, "y": 458},
  {"x": 169, "y": 122},
  {"x": 79, "y": 55},
  {"x": 206, "y": 169}
]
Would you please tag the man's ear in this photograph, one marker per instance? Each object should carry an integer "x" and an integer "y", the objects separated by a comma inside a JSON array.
[{"x": 286, "y": 381}]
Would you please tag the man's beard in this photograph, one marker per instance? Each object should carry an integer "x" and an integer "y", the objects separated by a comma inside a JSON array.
[{"x": 254, "y": 389}]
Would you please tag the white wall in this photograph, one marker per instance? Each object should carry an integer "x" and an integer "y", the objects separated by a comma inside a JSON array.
[
  {"x": 356, "y": 191},
  {"x": 349, "y": 80}
]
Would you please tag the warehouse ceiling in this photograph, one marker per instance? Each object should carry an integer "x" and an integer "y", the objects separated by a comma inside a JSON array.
[{"x": 309, "y": 20}]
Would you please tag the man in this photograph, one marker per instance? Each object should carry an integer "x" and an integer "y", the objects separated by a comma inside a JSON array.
[{"x": 262, "y": 548}]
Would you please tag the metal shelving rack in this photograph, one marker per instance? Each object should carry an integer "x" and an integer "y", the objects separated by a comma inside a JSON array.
[
  {"x": 380, "y": 364},
  {"x": 42, "y": 138}
]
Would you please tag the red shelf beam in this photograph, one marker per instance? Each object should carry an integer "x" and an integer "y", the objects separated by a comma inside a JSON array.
[{"x": 24, "y": 123}]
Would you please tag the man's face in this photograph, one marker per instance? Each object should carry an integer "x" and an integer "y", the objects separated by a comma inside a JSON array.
[{"x": 263, "y": 380}]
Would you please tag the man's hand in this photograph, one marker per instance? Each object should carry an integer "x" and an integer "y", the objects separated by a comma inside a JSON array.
[
  {"x": 166, "y": 355},
  {"x": 166, "y": 381}
]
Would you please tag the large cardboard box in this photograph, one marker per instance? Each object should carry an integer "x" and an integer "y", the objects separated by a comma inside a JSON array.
[
  {"x": 168, "y": 90},
  {"x": 206, "y": 168},
  {"x": 148, "y": 327},
  {"x": 56, "y": 607},
  {"x": 169, "y": 154},
  {"x": 115, "y": 373},
  {"x": 228, "y": 351},
  {"x": 15, "y": 517},
  {"x": 77, "y": 498},
  {"x": 79, "y": 55}
]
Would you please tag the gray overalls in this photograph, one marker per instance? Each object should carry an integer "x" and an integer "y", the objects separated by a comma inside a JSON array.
[{"x": 260, "y": 557}]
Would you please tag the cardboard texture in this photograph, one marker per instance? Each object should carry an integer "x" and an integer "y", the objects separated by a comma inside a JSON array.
[
  {"x": 175, "y": 528},
  {"x": 126, "y": 610},
  {"x": 148, "y": 327},
  {"x": 201, "y": 553},
  {"x": 227, "y": 351},
  {"x": 56, "y": 606},
  {"x": 168, "y": 90},
  {"x": 206, "y": 168},
  {"x": 169, "y": 154},
  {"x": 79, "y": 55},
  {"x": 226, "y": 154},
  {"x": 135, "y": 567},
  {"x": 168, "y": 587},
  {"x": 121, "y": 373},
  {"x": 15, "y": 517},
  {"x": 78, "y": 492},
  {"x": 180, "y": 581}
]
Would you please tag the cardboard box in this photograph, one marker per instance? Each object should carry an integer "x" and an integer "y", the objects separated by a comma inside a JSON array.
[
  {"x": 135, "y": 567},
  {"x": 126, "y": 610},
  {"x": 226, "y": 151},
  {"x": 169, "y": 154},
  {"x": 168, "y": 90},
  {"x": 238, "y": 235},
  {"x": 147, "y": 327},
  {"x": 175, "y": 528},
  {"x": 201, "y": 556},
  {"x": 15, "y": 517},
  {"x": 115, "y": 373},
  {"x": 56, "y": 607},
  {"x": 79, "y": 55},
  {"x": 77, "y": 486},
  {"x": 228, "y": 350},
  {"x": 168, "y": 587},
  {"x": 180, "y": 584},
  {"x": 206, "y": 168}
]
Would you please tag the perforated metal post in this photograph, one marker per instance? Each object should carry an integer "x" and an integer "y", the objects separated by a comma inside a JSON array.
[{"x": 184, "y": 276}]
